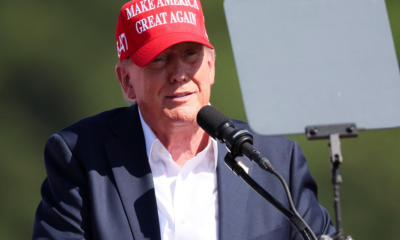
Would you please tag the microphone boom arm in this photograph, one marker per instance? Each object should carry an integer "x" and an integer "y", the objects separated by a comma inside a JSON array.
[{"x": 304, "y": 230}]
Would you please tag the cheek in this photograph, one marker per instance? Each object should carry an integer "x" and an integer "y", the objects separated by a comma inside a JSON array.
[
  {"x": 205, "y": 92},
  {"x": 204, "y": 81},
  {"x": 151, "y": 87},
  {"x": 140, "y": 88}
]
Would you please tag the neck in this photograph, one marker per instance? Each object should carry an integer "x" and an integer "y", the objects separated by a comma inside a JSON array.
[{"x": 183, "y": 142}]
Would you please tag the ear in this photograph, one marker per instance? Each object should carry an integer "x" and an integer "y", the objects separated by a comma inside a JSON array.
[
  {"x": 124, "y": 78},
  {"x": 211, "y": 66}
]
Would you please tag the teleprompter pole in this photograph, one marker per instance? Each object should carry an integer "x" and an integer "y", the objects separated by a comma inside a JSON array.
[
  {"x": 336, "y": 159},
  {"x": 334, "y": 133}
]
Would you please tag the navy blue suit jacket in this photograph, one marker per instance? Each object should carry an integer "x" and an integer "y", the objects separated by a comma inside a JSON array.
[{"x": 99, "y": 186}]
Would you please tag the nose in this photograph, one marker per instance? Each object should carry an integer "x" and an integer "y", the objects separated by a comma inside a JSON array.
[{"x": 177, "y": 71}]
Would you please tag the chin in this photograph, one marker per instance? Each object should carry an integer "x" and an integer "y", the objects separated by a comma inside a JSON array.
[{"x": 182, "y": 116}]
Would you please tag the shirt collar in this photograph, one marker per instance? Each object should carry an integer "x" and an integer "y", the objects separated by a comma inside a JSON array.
[{"x": 150, "y": 137}]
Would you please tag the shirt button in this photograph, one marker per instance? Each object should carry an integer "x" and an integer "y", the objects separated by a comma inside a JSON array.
[
  {"x": 184, "y": 220},
  {"x": 160, "y": 150}
]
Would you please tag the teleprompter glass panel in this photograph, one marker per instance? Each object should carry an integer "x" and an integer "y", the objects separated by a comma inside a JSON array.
[{"x": 314, "y": 62}]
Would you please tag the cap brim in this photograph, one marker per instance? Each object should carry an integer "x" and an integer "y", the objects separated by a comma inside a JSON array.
[{"x": 150, "y": 50}]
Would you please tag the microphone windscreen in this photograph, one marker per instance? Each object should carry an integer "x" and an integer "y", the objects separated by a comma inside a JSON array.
[{"x": 209, "y": 119}]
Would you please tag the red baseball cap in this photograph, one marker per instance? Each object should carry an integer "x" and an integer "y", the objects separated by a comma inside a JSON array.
[{"x": 145, "y": 28}]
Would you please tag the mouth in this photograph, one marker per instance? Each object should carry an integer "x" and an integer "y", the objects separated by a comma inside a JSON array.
[{"x": 181, "y": 95}]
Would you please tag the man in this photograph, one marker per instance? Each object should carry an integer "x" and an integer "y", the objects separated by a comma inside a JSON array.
[{"x": 149, "y": 171}]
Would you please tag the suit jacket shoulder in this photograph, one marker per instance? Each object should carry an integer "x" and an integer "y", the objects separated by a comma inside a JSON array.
[
  {"x": 286, "y": 157},
  {"x": 95, "y": 172}
]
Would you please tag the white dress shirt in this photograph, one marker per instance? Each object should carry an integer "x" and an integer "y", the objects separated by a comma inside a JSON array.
[{"x": 187, "y": 197}]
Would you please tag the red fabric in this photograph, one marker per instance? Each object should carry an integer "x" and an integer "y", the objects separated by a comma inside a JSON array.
[{"x": 145, "y": 28}]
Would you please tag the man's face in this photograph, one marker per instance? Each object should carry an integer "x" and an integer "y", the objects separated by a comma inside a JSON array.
[{"x": 174, "y": 86}]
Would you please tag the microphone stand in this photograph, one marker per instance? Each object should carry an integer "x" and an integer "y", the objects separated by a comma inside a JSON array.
[{"x": 304, "y": 230}]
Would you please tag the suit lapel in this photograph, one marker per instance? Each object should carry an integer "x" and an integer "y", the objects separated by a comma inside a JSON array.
[
  {"x": 232, "y": 198},
  {"x": 129, "y": 163}
]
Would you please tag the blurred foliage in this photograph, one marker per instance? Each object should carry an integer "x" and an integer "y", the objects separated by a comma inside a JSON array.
[{"x": 57, "y": 63}]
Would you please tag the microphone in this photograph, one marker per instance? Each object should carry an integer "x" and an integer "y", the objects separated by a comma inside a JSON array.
[{"x": 238, "y": 141}]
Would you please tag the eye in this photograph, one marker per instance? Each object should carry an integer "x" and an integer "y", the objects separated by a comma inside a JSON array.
[
  {"x": 158, "y": 62},
  {"x": 190, "y": 53},
  {"x": 157, "y": 59}
]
